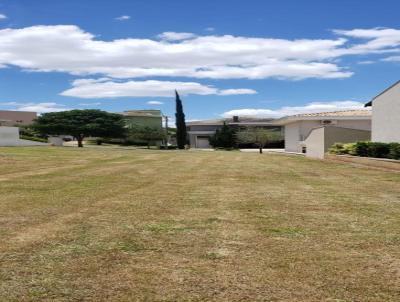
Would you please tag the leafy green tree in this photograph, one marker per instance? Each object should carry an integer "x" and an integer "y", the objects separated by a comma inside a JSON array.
[
  {"x": 181, "y": 135},
  {"x": 223, "y": 137},
  {"x": 258, "y": 136},
  {"x": 145, "y": 134},
  {"x": 81, "y": 124}
]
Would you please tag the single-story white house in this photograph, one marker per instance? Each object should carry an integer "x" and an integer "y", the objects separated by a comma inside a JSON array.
[
  {"x": 314, "y": 133},
  {"x": 386, "y": 115}
]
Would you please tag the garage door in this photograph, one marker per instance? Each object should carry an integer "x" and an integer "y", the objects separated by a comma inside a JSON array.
[{"x": 202, "y": 142}]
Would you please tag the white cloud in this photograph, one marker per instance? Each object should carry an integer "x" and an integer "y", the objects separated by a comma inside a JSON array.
[
  {"x": 89, "y": 104},
  {"x": 69, "y": 49},
  {"x": 392, "y": 59},
  {"x": 2, "y": 17},
  {"x": 291, "y": 110},
  {"x": 174, "y": 36},
  {"x": 237, "y": 91},
  {"x": 210, "y": 29},
  {"x": 367, "y": 62},
  {"x": 379, "y": 40},
  {"x": 103, "y": 88},
  {"x": 41, "y": 107},
  {"x": 123, "y": 18},
  {"x": 154, "y": 103}
]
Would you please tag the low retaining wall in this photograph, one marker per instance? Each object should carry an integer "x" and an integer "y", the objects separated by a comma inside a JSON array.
[{"x": 382, "y": 163}]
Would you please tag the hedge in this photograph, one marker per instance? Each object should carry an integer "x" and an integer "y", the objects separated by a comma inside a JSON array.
[{"x": 368, "y": 149}]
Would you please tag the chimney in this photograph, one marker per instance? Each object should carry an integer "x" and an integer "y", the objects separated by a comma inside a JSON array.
[{"x": 236, "y": 119}]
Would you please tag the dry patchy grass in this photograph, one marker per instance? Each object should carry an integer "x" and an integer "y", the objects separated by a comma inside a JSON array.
[{"x": 103, "y": 224}]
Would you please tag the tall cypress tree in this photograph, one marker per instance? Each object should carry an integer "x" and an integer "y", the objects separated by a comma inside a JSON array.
[{"x": 180, "y": 123}]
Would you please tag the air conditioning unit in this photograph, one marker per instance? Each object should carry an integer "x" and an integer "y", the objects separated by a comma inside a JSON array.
[{"x": 328, "y": 122}]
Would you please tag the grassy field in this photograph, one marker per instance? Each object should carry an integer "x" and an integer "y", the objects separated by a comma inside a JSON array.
[{"x": 102, "y": 224}]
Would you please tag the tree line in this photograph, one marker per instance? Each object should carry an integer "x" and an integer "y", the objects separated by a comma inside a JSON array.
[{"x": 81, "y": 124}]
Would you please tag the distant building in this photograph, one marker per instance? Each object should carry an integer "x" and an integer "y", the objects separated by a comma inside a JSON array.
[
  {"x": 143, "y": 118},
  {"x": 16, "y": 118},
  {"x": 199, "y": 132},
  {"x": 314, "y": 133},
  {"x": 386, "y": 115}
]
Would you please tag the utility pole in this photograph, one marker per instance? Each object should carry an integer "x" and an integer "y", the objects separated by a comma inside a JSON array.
[{"x": 166, "y": 131}]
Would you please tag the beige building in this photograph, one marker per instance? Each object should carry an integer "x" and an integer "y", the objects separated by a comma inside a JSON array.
[
  {"x": 314, "y": 133},
  {"x": 386, "y": 115},
  {"x": 15, "y": 118}
]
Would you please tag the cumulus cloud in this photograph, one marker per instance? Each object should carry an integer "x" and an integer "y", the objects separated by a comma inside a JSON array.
[
  {"x": 122, "y": 18},
  {"x": 174, "y": 36},
  {"x": 2, "y": 17},
  {"x": 69, "y": 49},
  {"x": 105, "y": 88},
  {"x": 291, "y": 110},
  {"x": 154, "y": 103}
]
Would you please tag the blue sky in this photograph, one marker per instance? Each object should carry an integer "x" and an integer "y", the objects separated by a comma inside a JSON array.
[{"x": 264, "y": 58}]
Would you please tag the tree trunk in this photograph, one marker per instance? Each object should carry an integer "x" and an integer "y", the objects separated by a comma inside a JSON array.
[{"x": 79, "y": 138}]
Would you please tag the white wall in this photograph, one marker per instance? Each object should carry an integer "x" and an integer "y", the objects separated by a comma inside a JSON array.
[
  {"x": 386, "y": 116},
  {"x": 292, "y": 134},
  {"x": 355, "y": 124},
  {"x": 315, "y": 143},
  {"x": 298, "y": 131},
  {"x": 322, "y": 138},
  {"x": 9, "y": 137}
]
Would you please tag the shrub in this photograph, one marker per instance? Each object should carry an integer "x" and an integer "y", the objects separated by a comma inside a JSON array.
[
  {"x": 337, "y": 148},
  {"x": 379, "y": 150},
  {"x": 223, "y": 138},
  {"x": 341, "y": 149},
  {"x": 368, "y": 149},
  {"x": 360, "y": 149},
  {"x": 394, "y": 151}
]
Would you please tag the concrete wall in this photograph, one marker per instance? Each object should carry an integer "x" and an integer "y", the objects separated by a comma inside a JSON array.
[
  {"x": 9, "y": 137},
  {"x": 292, "y": 134},
  {"x": 298, "y": 131},
  {"x": 315, "y": 145},
  {"x": 386, "y": 116},
  {"x": 355, "y": 124},
  {"x": 322, "y": 138},
  {"x": 55, "y": 141},
  {"x": 13, "y": 118}
]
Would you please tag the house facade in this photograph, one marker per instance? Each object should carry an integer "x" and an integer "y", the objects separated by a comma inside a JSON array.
[
  {"x": 313, "y": 133},
  {"x": 15, "y": 118},
  {"x": 143, "y": 118},
  {"x": 199, "y": 132},
  {"x": 386, "y": 115}
]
